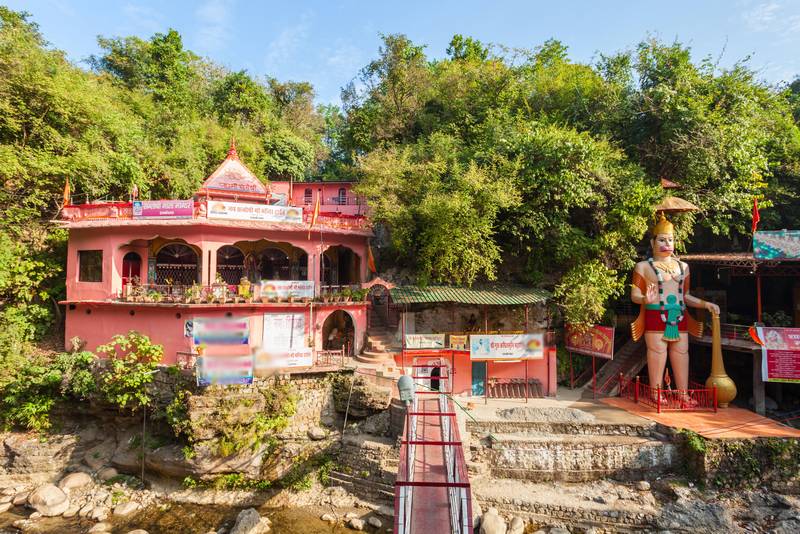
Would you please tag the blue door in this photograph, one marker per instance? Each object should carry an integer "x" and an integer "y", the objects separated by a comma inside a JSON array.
[{"x": 478, "y": 379}]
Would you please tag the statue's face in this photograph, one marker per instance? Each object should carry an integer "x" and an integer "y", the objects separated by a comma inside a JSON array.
[{"x": 663, "y": 245}]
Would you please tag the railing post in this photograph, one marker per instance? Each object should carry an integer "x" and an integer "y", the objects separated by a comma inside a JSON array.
[
  {"x": 658, "y": 399},
  {"x": 636, "y": 390},
  {"x": 621, "y": 384}
]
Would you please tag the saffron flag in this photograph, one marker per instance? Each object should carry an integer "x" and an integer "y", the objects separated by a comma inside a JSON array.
[
  {"x": 756, "y": 215},
  {"x": 371, "y": 260},
  {"x": 314, "y": 216},
  {"x": 67, "y": 193}
]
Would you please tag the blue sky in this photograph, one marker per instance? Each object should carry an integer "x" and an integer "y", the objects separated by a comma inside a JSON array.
[{"x": 327, "y": 42}]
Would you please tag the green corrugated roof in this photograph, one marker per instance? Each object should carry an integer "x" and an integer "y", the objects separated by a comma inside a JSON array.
[{"x": 492, "y": 296}]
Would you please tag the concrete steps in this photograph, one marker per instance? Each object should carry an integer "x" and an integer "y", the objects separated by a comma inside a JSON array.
[
  {"x": 628, "y": 360},
  {"x": 575, "y": 457}
]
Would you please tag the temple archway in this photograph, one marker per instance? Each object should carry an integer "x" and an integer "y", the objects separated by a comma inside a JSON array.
[
  {"x": 339, "y": 332},
  {"x": 230, "y": 264},
  {"x": 177, "y": 264},
  {"x": 340, "y": 266},
  {"x": 131, "y": 266}
]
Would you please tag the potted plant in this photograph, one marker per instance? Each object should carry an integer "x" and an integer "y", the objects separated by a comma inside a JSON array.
[
  {"x": 154, "y": 296},
  {"x": 346, "y": 294},
  {"x": 243, "y": 291},
  {"x": 326, "y": 297}
]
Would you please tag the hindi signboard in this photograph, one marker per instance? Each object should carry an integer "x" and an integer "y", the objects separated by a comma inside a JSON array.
[
  {"x": 221, "y": 331},
  {"x": 780, "y": 352},
  {"x": 776, "y": 245},
  {"x": 506, "y": 347},
  {"x": 459, "y": 342},
  {"x": 284, "y": 332},
  {"x": 424, "y": 341},
  {"x": 224, "y": 370},
  {"x": 243, "y": 211},
  {"x": 163, "y": 209},
  {"x": 287, "y": 288},
  {"x": 595, "y": 341}
]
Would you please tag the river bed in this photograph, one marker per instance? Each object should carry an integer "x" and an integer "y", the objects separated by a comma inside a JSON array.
[{"x": 175, "y": 518}]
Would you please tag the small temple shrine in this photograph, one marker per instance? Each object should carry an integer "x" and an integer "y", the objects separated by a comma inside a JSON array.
[{"x": 285, "y": 260}]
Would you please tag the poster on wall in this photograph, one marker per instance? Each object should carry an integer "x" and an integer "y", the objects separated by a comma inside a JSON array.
[
  {"x": 506, "y": 347},
  {"x": 243, "y": 211},
  {"x": 224, "y": 370},
  {"x": 221, "y": 331},
  {"x": 459, "y": 342},
  {"x": 163, "y": 209},
  {"x": 780, "y": 351},
  {"x": 267, "y": 362},
  {"x": 284, "y": 289},
  {"x": 425, "y": 341},
  {"x": 776, "y": 245},
  {"x": 284, "y": 332},
  {"x": 595, "y": 341}
]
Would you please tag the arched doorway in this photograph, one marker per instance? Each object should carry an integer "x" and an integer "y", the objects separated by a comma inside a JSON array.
[
  {"x": 340, "y": 266},
  {"x": 339, "y": 332},
  {"x": 131, "y": 266},
  {"x": 230, "y": 264},
  {"x": 177, "y": 264},
  {"x": 276, "y": 264}
]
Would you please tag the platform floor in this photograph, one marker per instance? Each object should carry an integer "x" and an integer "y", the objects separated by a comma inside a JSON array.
[{"x": 726, "y": 423}]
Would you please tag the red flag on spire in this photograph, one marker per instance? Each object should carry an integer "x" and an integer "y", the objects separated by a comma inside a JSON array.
[
  {"x": 67, "y": 193},
  {"x": 756, "y": 216},
  {"x": 371, "y": 260}
]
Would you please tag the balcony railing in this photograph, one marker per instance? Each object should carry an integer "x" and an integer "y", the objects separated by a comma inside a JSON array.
[{"x": 229, "y": 294}]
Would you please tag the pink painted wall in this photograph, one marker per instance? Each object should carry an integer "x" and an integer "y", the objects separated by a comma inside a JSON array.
[
  {"x": 330, "y": 196},
  {"x": 96, "y": 324}
]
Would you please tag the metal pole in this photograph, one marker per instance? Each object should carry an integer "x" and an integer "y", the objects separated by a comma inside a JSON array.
[
  {"x": 758, "y": 295},
  {"x": 594, "y": 378},
  {"x": 571, "y": 374},
  {"x": 486, "y": 383},
  {"x": 526, "y": 381}
]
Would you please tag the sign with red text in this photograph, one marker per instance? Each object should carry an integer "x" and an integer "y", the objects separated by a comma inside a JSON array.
[
  {"x": 287, "y": 288},
  {"x": 163, "y": 209},
  {"x": 424, "y": 341},
  {"x": 594, "y": 341},
  {"x": 244, "y": 211},
  {"x": 506, "y": 347},
  {"x": 780, "y": 351}
]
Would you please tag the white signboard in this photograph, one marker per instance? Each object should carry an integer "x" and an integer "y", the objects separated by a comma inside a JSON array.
[
  {"x": 268, "y": 362},
  {"x": 287, "y": 288},
  {"x": 506, "y": 347},
  {"x": 425, "y": 341},
  {"x": 284, "y": 332},
  {"x": 243, "y": 211}
]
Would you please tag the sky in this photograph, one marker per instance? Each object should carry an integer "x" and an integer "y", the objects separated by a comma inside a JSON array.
[{"x": 327, "y": 42}]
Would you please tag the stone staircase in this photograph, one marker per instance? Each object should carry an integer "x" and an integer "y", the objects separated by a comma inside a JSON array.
[{"x": 381, "y": 346}]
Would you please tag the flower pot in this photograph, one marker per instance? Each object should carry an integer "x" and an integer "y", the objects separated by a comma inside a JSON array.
[{"x": 264, "y": 300}]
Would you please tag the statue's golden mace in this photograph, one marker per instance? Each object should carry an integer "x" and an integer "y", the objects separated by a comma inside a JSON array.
[{"x": 726, "y": 389}]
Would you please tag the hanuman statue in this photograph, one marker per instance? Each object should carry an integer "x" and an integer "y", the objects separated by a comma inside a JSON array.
[{"x": 661, "y": 287}]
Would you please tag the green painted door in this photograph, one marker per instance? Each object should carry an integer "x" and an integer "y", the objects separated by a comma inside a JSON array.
[{"x": 478, "y": 379}]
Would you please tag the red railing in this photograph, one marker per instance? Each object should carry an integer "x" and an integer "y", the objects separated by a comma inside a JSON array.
[
  {"x": 456, "y": 477},
  {"x": 696, "y": 398}
]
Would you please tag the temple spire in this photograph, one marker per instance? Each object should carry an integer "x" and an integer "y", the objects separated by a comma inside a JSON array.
[{"x": 232, "y": 150}]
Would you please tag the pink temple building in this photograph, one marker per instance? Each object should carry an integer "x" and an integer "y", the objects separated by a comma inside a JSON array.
[{"x": 239, "y": 249}]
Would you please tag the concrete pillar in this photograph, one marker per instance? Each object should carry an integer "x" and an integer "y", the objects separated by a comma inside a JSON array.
[{"x": 758, "y": 384}]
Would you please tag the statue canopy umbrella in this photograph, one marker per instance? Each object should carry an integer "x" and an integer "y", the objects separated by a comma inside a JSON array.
[{"x": 672, "y": 204}]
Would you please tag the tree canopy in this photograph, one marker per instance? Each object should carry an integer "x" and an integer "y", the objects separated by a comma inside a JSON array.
[{"x": 488, "y": 164}]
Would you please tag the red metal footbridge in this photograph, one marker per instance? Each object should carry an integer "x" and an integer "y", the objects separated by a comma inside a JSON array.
[{"x": 432, "y": 487}]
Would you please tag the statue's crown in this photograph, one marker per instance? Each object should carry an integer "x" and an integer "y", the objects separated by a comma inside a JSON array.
[{"x": 663, "y": 227}]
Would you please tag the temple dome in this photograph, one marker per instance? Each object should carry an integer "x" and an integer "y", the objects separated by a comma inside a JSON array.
[{"x": 233, "y": 180}]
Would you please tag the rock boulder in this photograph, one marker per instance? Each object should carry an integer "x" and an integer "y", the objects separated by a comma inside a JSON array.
[
  {"x": 49, "y": 500},
  {"x": 75, "y": 481}
]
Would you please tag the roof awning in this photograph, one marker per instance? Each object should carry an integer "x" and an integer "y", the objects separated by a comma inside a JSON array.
[{"x": 499, "y": 295}]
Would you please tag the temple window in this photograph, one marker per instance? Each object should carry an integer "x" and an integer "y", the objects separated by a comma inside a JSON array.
[
  {"x": 342, "y": 199},
  {"x": 131, "y": 266},
  {"x": 340, "y": 266},
  {"x": 90, "y": 265},
  {"x": 177, "y": 264},
  {"x": 230, "y": 264},
  {"x": 308, "y": 196}
]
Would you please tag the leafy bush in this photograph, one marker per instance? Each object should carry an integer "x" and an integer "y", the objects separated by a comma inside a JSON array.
[
  {"x": 132, "y": 361},
  {"x": 29, "y": 398},
  {"x": 584, "y": 292}
]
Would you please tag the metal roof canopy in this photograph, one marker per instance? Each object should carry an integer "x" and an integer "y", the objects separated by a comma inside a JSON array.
[
  {"x": 744, "y": 264},
  {"x": 499, "y": 295}
]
